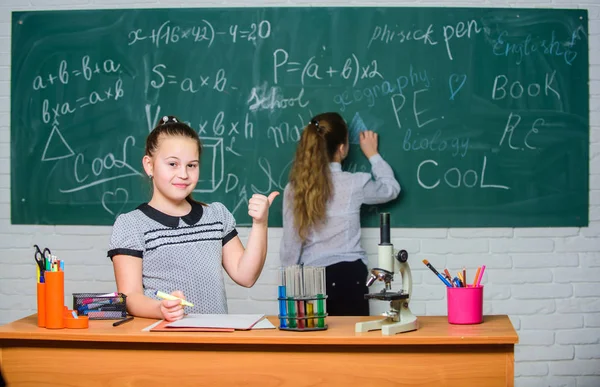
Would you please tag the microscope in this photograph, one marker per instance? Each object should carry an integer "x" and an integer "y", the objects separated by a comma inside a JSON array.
[{"x": 399, "y": 318}]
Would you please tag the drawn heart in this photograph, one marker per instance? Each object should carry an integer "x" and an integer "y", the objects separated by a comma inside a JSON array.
[
  {"x": 113, "y": 197},
  {"x": 458, "y": 81}
]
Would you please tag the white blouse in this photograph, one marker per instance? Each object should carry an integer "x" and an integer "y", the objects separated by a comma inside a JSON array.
[{"x": 338, "y": 238}]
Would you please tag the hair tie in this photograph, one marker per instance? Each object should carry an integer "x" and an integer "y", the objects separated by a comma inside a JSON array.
[
  {"x": 167, "y": 120},
  {"x": 316, "y": 124}
]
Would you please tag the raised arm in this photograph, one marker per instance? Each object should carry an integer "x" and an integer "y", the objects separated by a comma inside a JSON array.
[
  {"x": 245, "y": 265},
  {"x": 384, "y": 187}
]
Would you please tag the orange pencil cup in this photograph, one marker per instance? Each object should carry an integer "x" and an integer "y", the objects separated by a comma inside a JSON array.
[
  {"x": 41, "y": 305},
  {"x": 465, "y": 305},
  {"x": 81, "y": 322},
  {"x": 55, "y": 299}
]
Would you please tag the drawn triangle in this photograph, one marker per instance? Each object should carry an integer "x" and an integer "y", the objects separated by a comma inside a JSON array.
[
  {"x": 356, "y": 126},
  {"x": 59, "y": 143}
]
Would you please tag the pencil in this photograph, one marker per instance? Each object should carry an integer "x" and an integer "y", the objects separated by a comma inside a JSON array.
[{"x": 462, "y": 280}]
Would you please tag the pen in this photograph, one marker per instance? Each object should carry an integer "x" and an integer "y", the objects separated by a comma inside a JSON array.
[
  {"x": 166, "y": 296},
  {"x": 444, "y": 280},
  {"x": 126, "y": 319}
]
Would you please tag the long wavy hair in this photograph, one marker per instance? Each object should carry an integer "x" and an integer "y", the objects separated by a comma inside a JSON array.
[{"x": 310, "y": 176}]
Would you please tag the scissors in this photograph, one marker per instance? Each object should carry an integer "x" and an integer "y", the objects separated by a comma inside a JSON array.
[{"x": 41, "y": 256}]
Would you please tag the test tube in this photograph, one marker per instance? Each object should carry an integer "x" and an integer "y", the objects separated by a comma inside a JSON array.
[
  {"x": 309, "y": 277},
  {"x": 281, "y": 297},
  {"x": 321, "y": 296},
  {"x": 300, "y": 294},
  {"x": 290, "y": 289}
]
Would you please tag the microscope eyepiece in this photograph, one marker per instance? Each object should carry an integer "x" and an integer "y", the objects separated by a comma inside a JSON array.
[{"x": 384, "y": 228}]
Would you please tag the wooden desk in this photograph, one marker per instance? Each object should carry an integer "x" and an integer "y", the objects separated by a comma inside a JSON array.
[{"x": 438, "y": 354}]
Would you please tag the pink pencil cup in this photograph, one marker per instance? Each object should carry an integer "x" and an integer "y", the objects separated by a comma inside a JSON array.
[{"x": 465, "y": 305}]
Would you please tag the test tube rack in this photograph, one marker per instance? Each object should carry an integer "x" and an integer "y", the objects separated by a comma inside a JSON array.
[{"x": 302, "y": 299}]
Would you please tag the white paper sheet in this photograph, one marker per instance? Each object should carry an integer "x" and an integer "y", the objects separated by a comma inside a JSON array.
[
  {"x": 235, "y": 321},
  {"x": 264, "y": 324}
]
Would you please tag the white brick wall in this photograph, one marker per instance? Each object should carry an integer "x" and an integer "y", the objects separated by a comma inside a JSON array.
[{"x": 546, "y": 280}]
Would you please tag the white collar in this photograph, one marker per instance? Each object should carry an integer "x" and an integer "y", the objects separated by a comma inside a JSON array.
[{"x": 335, "y": 167}]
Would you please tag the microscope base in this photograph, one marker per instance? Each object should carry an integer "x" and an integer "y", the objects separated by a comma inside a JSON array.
[{"x": 388, "y": 326}]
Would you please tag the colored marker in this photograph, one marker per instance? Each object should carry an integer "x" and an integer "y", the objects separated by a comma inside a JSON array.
[
  {"x": 94, "y": 305},
  {"x": 441, "y": 277},
  {"x": 103, "y": 315},
  {"x": 480, "y": 276},
  {"x": 117, "y": 323},
  {"x": 114, "y": 294},
  {"x": 476, "y": 276},
  {"x": 166, "y": 296}
]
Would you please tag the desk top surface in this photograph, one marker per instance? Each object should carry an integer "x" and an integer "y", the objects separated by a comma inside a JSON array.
[{"x": 433, "y": 330}]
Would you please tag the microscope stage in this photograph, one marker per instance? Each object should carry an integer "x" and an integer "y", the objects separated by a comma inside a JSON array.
[{"x": 387, "y": 296}]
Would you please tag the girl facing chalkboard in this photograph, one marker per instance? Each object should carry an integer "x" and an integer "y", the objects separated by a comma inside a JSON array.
[
  {"x": 321, "y": 210},
  {"x": 173, "y": 244}
]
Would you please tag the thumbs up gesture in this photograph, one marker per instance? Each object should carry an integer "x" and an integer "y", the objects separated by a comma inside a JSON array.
[{"x": 258, "y": 207}]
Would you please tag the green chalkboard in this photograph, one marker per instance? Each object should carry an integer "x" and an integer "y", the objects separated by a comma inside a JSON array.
[{"x": 482, "y": 113}]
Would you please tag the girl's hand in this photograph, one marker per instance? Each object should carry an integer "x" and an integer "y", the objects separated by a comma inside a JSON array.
[
  {"x": 172, "y": 310},
  {"x": 368, "y": 143},
  {"x": 258, "y": 207}
]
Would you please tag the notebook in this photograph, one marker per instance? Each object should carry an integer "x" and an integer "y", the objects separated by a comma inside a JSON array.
[
  {"x": 211, "y": 323},
  {"x": 161, "y": 326},
  {"x": 227, "y": 321}
]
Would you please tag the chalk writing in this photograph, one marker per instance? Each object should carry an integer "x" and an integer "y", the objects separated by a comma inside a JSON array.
[
  {"x": 352, "y": 69},
  {"x": 161, "y": 77},
  {"x": 371, "y": 94},
  {"x": 519, "y": 47},
  {"x": 86, "y": 70},
  {"x": 454, "y": 177},
  {"x": 476, "y": 110},
  {"x": 205, "y": 31},
  {"x": 272, "y": 98}
]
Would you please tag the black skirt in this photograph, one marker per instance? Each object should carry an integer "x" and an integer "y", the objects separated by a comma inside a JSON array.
[{"x": 346, "y": 289}]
